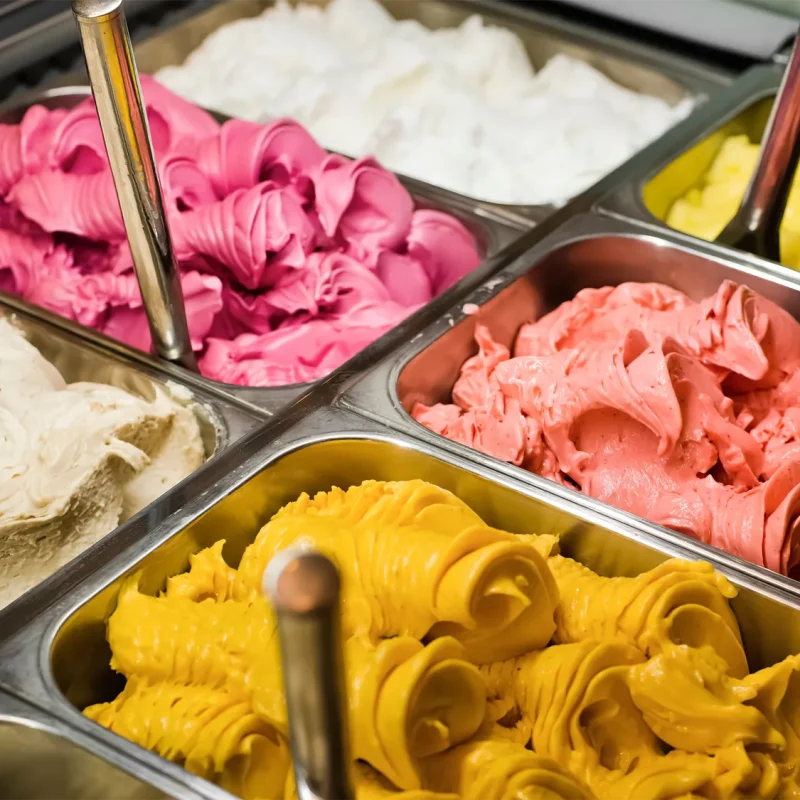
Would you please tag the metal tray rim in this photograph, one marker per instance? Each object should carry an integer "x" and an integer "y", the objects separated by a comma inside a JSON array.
[{"x": 626, "y": 198}]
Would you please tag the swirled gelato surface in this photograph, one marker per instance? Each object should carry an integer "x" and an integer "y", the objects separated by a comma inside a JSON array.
[
  {"x": 76, "y": 460},
  {"x": 447, "y": 106},
  {"x": 292, "y": 260},
  {"x": 706, "y": 209},
  {"x": 685, "y": 413},
  {"x": 478, "y": 664}
]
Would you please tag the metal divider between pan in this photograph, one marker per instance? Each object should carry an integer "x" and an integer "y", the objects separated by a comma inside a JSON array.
[{"x": 40, "y": 756}]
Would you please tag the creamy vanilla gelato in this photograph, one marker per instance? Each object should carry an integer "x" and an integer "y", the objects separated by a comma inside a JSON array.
[
  {"x": 459, "y": 107},
  {"x": 76, "y": 460}
]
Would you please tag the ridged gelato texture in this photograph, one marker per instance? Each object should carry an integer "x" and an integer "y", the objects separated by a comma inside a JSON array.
[
  {"x": 76, "y": 460},
  {"x": 685, "y": 413},
  {"x": 292, "y": 260},
  {"x": 565, "y": 685},
  {"x": 441, "y": 105},
  {"x": 705, "y": 210}
]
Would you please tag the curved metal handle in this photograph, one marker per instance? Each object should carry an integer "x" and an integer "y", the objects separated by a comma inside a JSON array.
[
  {"x": 304, "y": 589},
  {"x": 118, "y": 97},
  {"x": 756, "y": 226}
]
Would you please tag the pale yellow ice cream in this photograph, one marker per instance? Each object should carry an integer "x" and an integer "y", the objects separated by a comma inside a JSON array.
[{"x": 706, "y": 209}]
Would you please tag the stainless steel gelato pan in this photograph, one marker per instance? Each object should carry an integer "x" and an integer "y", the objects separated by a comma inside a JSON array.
[
  {"x": 60, "y": 660},
  {"x": 587, "y": 251},
  {"x": 40, "y": 757},
  {"x": 648, "y": 186}
]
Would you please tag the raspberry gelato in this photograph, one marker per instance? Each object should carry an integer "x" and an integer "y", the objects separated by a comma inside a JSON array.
[
  {"x": 292, "y": 260},
  {"x": 685, "y": 413}
]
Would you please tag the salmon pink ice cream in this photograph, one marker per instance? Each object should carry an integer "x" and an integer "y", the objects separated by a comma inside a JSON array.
[
  {"x": 685, "y": 413},
  {"x": 292, "y": 259}
]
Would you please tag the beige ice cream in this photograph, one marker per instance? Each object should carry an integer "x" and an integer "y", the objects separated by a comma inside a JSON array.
[{"x": 76, "y": 460}]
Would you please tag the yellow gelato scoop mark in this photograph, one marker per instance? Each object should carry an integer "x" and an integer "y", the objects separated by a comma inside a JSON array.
[
  {"x": 678, "y": 602},
  {"x": 478, "y": 665},
  {"x": 705, "y": 210},
  {"x": 213, "y": 733},
  {"x": 415, "y": 560}
]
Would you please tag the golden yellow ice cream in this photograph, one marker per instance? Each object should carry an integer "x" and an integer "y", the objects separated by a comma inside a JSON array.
[
  {"x": 706, "y": 209},
  {"x": 371, "y": 785},
  {"x": 214, "y": 733},
  {"x": 478, "y": 665},
  {"x": 500, "y": 770},
  {"x": 208, "y": 577},
  {"x": 577, "y": 703},
  {"x": 678, "y": 601},
  {"x": 407, "y": 700},
  {"x": 451, "y": 574}
]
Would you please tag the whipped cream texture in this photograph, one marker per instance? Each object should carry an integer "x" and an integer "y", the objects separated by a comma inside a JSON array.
[{"x": 460, "y": 108}]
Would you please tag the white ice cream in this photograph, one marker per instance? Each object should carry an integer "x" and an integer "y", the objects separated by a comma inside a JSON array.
[
  {"x": 76, "y": 460},
  {"x": 459, "y": 107}
]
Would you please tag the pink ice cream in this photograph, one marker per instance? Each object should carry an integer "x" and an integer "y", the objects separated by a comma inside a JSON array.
[
  {"x": 687, "y": 414},
  {"x": 292, "y": 260}
]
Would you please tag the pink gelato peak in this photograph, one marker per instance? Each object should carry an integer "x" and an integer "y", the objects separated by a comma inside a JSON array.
[
  {"x": 685, "y": 413},
  {"x": 292, "y": 260}
]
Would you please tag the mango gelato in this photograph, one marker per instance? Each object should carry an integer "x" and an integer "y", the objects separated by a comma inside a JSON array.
[
  {"x": 705, "y": 210},
  {"x": 478, "y": 664}
]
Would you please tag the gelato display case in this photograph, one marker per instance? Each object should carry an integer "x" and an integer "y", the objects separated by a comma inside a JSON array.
[{"x": 501, "y": 376}]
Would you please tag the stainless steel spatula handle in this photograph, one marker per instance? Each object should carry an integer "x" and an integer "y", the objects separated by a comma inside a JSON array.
[
  {"x": 117, "y": 94},
  {"x": 756, "y": 226},
  {"x": 304, "y": 589}
]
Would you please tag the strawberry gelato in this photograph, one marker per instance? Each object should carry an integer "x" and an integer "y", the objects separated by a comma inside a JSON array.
[
  {"x": 291, "y": 259},
  {"x": 685, "y": 413}
]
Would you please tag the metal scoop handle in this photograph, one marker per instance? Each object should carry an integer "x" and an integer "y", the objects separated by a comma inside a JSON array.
[
  {"x": 118, "y": 97},
  {"x": 756, "y": 225},
  {"x": 304, "y": 589}
]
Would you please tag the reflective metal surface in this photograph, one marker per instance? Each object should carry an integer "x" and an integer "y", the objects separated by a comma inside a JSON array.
[
  {"x": 747, "y": 29},
  {"x": 223, "y": 422},
  {"x": 40, "y": 759},
  {"x": 44, "y": 758},
  {"x": 126, "y": 133},
  {"x": 633, "y": 65},
  {"x": 648, "y": 185},
  {"x": 493, "y": 232},
  {"x": 755, "y": 225},
  {"x": 587, "y": 251},
  {"x": 60, "y": 661}
]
